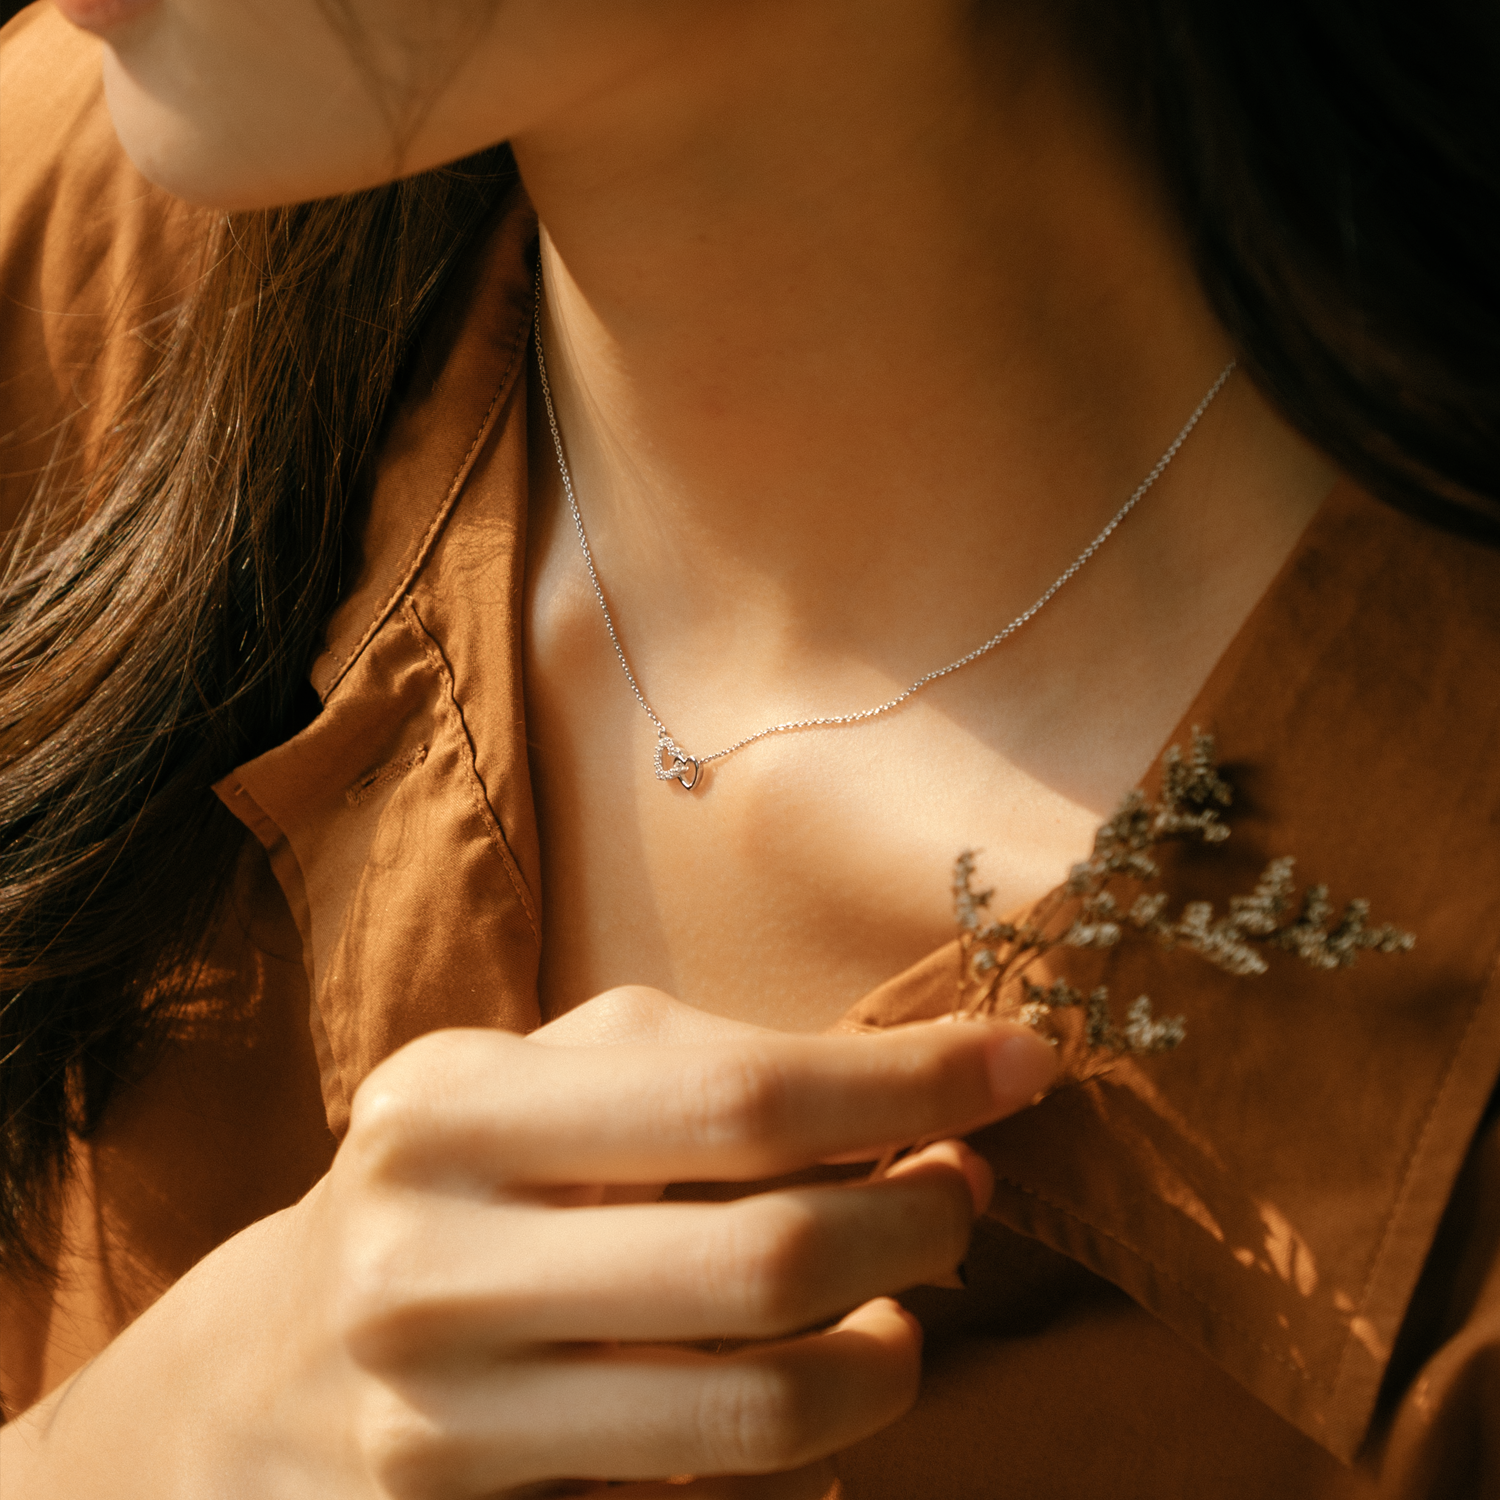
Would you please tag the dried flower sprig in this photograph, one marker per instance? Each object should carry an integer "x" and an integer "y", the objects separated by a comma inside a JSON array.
[{"x": 1088, "y": 911}]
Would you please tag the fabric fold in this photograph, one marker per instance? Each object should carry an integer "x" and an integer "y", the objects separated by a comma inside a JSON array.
[{"x": 408, "y": 855}]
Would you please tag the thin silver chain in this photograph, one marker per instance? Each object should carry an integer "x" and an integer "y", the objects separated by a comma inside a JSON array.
[{"x": 685, "y": 769}]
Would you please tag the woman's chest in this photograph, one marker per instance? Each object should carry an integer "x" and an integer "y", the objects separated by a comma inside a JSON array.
[
  {"x": 792, "y": 880},
  {"x": 803, "y": 870}
]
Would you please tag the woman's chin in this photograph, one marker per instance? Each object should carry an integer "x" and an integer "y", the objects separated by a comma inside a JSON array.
[
  {"x": 216, "y": 159},
  {"x": 105, "y": 17}
]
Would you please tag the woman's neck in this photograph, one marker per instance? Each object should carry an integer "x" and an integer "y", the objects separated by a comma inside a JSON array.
[{"x": 845, "y": 308}]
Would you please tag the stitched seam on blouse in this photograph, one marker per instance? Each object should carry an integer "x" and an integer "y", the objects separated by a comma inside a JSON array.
[
  {"x": 482, "y": 806},
  {"x": 424, "y": 546},
  {"x": 1167, "y": 1275},
  {"x": 1414, "y": 1155}
]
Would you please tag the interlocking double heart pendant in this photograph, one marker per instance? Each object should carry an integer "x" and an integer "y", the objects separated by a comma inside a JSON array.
[{"x": 673, "y": 764}]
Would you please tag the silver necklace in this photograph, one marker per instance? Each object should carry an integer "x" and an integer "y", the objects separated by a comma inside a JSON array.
[{"x": 671, "y": 762}]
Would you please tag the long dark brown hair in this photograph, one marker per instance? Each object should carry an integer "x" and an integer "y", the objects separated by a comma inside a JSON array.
[
  {"x": 1336, "y": 164},
  {"x": 166, "y": 637}
]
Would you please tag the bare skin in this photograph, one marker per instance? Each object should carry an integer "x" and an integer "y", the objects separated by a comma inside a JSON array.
[
  {"x": 862, "y": 320},
  {"x": 836, "y": 413},
  {"x": 483, "y": 1295}
]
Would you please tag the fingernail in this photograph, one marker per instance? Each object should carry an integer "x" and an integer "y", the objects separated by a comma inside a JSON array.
[{"x": 1022, "y": 1066}]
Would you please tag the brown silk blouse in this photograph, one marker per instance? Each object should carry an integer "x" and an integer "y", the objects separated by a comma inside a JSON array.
[{"x": 1266, "y": 1264}]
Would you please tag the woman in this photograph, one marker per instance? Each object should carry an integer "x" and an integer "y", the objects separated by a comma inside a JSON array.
[{"x": 857, "y": 322}]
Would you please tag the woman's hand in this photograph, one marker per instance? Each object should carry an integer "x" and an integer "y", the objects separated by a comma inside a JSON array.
[{"x": 476, "y": 1300}]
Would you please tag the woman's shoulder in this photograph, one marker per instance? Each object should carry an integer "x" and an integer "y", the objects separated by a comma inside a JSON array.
[{"x": 91, "y": 255}]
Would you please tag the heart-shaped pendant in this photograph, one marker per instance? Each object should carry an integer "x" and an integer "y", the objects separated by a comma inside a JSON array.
[{"x": 673, "y": 764}]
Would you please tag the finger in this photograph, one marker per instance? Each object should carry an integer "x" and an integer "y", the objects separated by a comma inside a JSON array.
[
  {"x": 504, "y": 1110},
  {"x": 756, "y": 1268},
  {"x": 646, "y": 1414},
  {"x": 636, "y": 1014},
  {"x": 977, "y": 1173}
]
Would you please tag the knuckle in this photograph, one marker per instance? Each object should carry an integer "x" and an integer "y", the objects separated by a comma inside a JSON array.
[
  {"x": 759, "y": 1422},
  {"x": 421, "y": 1098},
  {"x": 403, "y": 1450},
  {"x": 625, "y": 1009},
  {"x": 766, "y": 1265},
  {"x": 735, "y": 1099},
  {"x": 383, "y": 1129},
  {"x": 372, "y": 1302}
]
